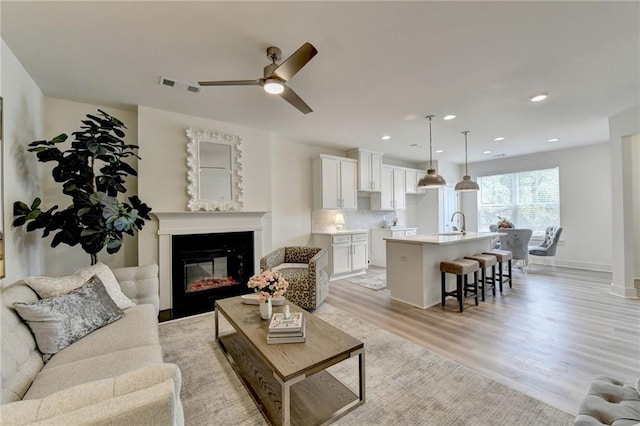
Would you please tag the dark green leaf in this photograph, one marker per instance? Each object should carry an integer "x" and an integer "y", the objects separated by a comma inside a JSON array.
[{"x": 20, "y": 208}]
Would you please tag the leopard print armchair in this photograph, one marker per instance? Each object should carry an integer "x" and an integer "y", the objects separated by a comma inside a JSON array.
[{"x": 303, "y": 268}]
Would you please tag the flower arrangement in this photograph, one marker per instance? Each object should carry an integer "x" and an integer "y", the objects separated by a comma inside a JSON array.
[
  {"x": 503, "y": 222},
  {"x": 269, "y": 284}
]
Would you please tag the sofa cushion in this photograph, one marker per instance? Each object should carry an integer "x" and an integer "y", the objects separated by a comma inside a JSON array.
[
  {"x": 105, "y": 366},
  {"x": 59, "y": 321},
  {"x": 609, "y": 402},
  {"x": 148, "y": 395},
  {"x": 21, "y": 360},
  {"x": 55, "y": 286},
  {"x": 139, "y": 327}
]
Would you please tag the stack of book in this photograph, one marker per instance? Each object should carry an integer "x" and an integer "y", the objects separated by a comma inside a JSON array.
[{"x": 286, "y": 330}]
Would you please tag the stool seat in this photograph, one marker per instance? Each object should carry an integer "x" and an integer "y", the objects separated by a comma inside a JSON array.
[
  {"x": 502, "y": 255},
  {"x": 485, "y": 260},
  {"x": 459, "y": 266}
]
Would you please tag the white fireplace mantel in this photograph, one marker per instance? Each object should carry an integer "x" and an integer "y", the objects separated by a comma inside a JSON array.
[{"x": 185, "y": 223}]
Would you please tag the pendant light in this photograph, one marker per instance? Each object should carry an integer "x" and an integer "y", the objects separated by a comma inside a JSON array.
[
  {"x": 466, "y": 184},
  {"x": 431, "y": 179}
]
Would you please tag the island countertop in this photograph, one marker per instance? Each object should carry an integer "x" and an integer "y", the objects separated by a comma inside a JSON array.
[{"x": 443, "y": 238}]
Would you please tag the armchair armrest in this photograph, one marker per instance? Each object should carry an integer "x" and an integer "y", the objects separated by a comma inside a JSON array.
[
  {"x": 318, "y": 263},
  {"x": 149, "y": 395},
  {"x": 272, "y": 260},
  {"x": 140, "y": 284}
]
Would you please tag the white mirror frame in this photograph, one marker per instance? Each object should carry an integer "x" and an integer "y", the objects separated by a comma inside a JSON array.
[{"x": 193, "y": 188}]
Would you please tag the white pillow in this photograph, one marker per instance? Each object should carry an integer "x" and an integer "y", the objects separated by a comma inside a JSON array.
[
  {"x": 110, "y": 283},
  {"x": 55, "y": 286}
]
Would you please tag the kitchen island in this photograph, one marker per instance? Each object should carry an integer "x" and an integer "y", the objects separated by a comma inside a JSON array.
[{"x": 413, "y": 263}]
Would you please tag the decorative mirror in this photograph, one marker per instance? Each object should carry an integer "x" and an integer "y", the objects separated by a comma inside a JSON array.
[{"x": 214, "y": 171}]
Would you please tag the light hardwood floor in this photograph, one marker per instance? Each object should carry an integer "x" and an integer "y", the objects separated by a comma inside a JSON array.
[{"x": 548, "y": 336}]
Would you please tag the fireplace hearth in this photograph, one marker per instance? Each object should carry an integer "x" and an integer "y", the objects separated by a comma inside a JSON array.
[{"x": 208, "y": 267}]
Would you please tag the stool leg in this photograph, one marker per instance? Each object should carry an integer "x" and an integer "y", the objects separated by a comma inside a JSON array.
[
  {"x": 475, "y": 285},
  {"x": 493, "y": 279},
  {"x": 444, "y": 287},
  {"x": 460, "y": 291},
  {"x": 484, "y": 283},
  {"x": 500, "y": 271},
  {"x": 510, "y": 276}
]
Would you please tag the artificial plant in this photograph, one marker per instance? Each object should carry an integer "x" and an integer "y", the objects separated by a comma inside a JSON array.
[{"x": 92, "y": 172}]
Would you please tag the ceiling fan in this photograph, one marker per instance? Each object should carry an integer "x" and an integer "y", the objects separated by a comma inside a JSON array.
[{"x": 276, "y": 76}]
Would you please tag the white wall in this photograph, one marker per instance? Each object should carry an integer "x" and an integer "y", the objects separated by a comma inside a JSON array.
[
  {"x": 23, "y": 118},
  {"x": 291, "y": 190},
  {"x": 63, "y": 116},
  {"x": 585, "y": 200},
  {"x": 635, "y": 182},
  {"x": 162, "y": 172},
  {"x": 621, "y": 127}
]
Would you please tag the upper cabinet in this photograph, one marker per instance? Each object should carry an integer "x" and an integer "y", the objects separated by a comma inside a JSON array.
[
  {"x": 335, "y": 181},
  {"x": 369, "y": 169},
  {"x": 392, "y": 195}
]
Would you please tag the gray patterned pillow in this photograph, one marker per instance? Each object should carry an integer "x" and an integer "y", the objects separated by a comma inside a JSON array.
[{"x": 58, "y": 321}]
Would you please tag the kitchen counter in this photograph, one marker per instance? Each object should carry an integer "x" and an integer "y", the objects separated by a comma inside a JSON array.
[
  {"x": 444, "y": 238},
  {"x": 342, "y": 232},
  {"x": 413, "y": 263}
]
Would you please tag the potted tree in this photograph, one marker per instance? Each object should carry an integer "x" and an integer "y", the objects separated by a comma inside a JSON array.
[{"x": 92, "y": 172}]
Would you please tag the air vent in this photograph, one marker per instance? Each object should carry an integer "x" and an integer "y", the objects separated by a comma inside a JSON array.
[
  {"x": 499, "y": 155},
  {"x": 179, "y": 84}
]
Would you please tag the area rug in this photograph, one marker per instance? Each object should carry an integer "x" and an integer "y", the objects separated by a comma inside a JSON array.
[
  {"x": 373, "y": 279},
  {"x": 405, "y": 383}
]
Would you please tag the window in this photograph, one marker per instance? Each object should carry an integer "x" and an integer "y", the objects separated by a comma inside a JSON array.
[{"x": 528, "y": 199}]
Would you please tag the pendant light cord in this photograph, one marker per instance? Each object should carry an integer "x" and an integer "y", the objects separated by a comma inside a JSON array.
[
  {"x": 466, "y": 169},
  {"x": 430, "y": 145}
]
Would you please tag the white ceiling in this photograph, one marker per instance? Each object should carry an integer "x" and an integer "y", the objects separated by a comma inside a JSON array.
[{"x": 381, "y": 67}]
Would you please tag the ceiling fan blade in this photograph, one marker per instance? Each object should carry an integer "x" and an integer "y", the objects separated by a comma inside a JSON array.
[
  {"x": 295, "y": 62},
  {"x": 231, "y": 83},
  {"x": 290, "y": 96}
]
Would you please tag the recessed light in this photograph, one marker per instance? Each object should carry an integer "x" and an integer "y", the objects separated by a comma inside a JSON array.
[
  {"x": 553, "y": 140},
  {"x": 498, "y": 139},
  {"x": 438, "y": 151},
  {"x": 385, "y": 137},
  {"x": 486, "y": 152},
  {"x": 538, "y": 98},
  {"x": 449, "y": 117}
]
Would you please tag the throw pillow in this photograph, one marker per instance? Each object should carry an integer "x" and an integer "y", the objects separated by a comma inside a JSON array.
[
  {"x": 110, "y": 283},
  {"x": 58, "y": 321},
  {"x": 55, "y": 286}
]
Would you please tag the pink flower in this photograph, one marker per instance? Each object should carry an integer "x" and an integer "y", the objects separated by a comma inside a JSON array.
[{"x": 270, "y": 284}]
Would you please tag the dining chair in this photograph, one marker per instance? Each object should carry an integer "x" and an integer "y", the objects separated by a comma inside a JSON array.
[
  {"x": 516, "y": 241},
  {"x": 547, "y": 250}
]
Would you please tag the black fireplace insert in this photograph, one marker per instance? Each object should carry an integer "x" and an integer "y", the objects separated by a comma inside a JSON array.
[{"x": 207, "y": 267}]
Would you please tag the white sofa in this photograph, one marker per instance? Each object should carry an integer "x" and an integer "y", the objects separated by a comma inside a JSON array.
[{"x": 114, "y": 375}]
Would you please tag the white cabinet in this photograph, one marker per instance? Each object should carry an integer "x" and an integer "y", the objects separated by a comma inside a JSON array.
[
  {"x": 393, "y": 195},
  {"x": 411, "y": 181},
  {"x": 334, "y": 183},
  {"x": 348, "y": 253},
  {"x": 369, "y": 169},
  {"x": 379, "y": 245}
]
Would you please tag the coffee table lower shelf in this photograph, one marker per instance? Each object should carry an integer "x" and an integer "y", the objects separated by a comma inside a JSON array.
[{"x": 314, "y": 400}]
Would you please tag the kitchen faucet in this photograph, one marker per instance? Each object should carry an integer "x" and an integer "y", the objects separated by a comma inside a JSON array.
[{"x": 464, "y": 225}]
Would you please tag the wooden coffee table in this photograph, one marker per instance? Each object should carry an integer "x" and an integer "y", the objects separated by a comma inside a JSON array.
[{"x": 289, "y": 382}]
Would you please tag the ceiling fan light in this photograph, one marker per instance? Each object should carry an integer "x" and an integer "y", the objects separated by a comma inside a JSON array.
[
  {"x": 273, "y": 86},
  {"x": 431, "y": 180}
]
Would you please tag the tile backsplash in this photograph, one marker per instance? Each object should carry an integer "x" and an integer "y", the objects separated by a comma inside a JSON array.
[{"x": 362, "y": 218}]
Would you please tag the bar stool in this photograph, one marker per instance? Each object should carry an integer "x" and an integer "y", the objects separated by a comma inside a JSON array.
[
  {"x": 502, "y": 256},
  {"x": 460, "y": 267},
  {"x": 486, "y": 261}
]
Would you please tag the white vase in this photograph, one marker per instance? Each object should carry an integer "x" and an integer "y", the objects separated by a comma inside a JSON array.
[{"x": 266, "y": 310}]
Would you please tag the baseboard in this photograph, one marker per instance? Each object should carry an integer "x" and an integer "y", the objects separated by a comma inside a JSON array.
[
  {"x": 626, "y": 292},
  {"x": 600, "y": 267}
]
